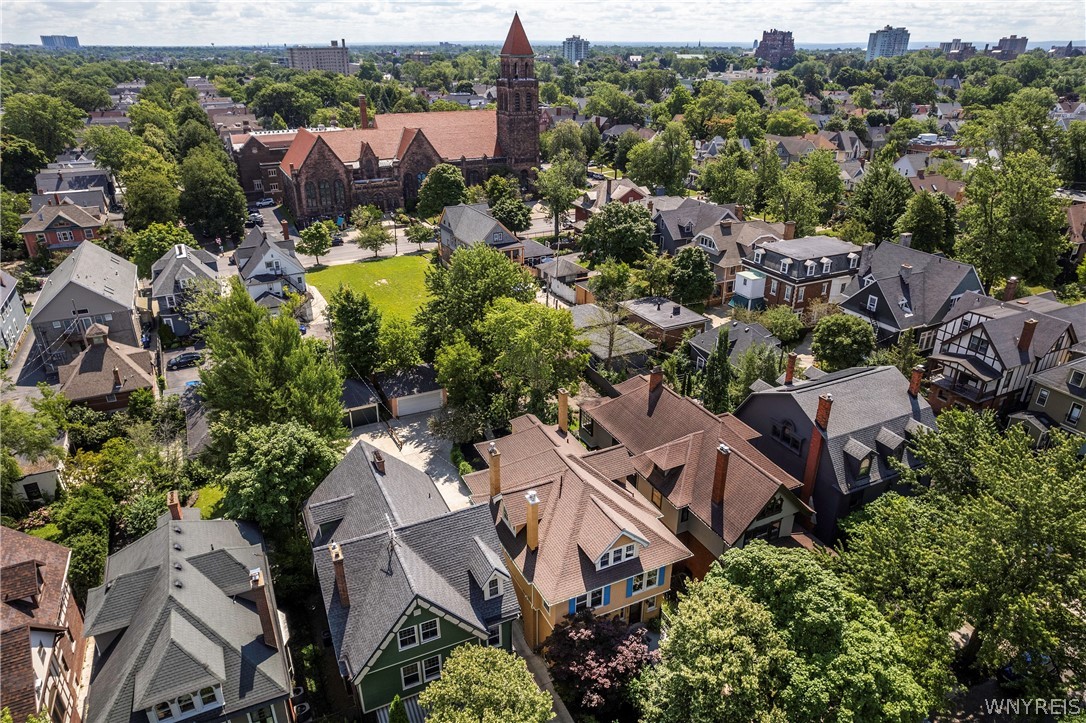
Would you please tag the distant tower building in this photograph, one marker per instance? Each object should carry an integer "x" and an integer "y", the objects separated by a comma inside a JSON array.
[
  {"x": 1010, "y": 48},
  {"x": 575, "y": 49},
  {"x": 776, "y": 45},
  {"x": 887, "y": 43},
  {"x": 60, "y": 42},
  {"x": 518, "y": 101},
  {"x": 957, "y": 50},
  {"x": 332, "y": 58}
]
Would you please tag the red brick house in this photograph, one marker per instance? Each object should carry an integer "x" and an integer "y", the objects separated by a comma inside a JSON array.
[
  {"x": 41, "y": 643},
  {"x": 61, "y": 227}
]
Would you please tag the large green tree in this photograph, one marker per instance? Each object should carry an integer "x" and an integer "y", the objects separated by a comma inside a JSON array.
[
  {"x": 20, "y": 161},
  {"x": 620, "y": 231},
  {"x": 48, "y": 122},
  {"x": 316, "y": 239},
  {"x": 692, "y": 276},
  {"x": 512, "y": 213},
  {"x": 719, "y": 373},
  {"x": 559, "y": 186},
  {"x": 879, "y": 199},
  {"x": 211, "y": 199},
  {"x": 149, "y": 245},
  {"x": 356, "y": 325},
  {"x": 481, "y": 683},
  {"x": 932, "y": 219},
  {"x": 151, "y": 194},
  {"x": 12, "y": 205},
  {"x": 111, "y": 146},
  {"x": 444, "y": 186},
  {"x": 841, "y": 341},
  {"x": 665, "y": 161}
]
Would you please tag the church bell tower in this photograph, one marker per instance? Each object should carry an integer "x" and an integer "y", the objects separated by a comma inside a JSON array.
[{"x": 518, "y": 101}]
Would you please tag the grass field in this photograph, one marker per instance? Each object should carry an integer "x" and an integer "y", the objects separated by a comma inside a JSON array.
[
  {"x": 208, "y": 501},
  {"x": 395, "y": 285}
]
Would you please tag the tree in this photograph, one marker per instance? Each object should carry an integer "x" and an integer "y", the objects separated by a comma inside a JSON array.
[
  {"x": 559, "y": 186},
  {"x": 316, "y": 239},
  {"x": 498, "y": 188},
  {"x": 620, "y": 231},
  {"x": 910, "y": 90},
  {"x": 150, "y": 244},
  {"x": 904, "y": 354},
  {"x": 759, "y": 361},
  {"x": 842, "y": 341},
  {"x": 47, "y": 122},
  {"x": 536, "y": 350},
  {"x": 513, "y": 214},
  {"x": 274, "y": 468},
  {"x": 373, "y": 237},
  {"x": 146, "y": 113},
  {"x": 624, "y": 146},
  {"x": 111, "y": 146},
  {"x": 399, "y": 342},
  {"x": 481, "y": 683},
  {"x": 397, "y": 712},
  {"x": 20, "y": 162},
  {"x": 288, "y": 102},
  {"x": 150, "y": 190},
  {"x": 783, "y": 323},
  {"x": 444, "y": 186},
  {"x": 367, "y": 215},
  {"x": 565, "y": 139},
  {"x": 652, "y": 275},
  {"x": 795, "y": 199},
  {"x": 356, "y": 326},
  {"x": 820, "y": 170},
  {"x": 87, "y": 563},
  {"x": 419, "y": 233},
  {"x": 879, "y": 199},
  {"x": 1072, "y": 160},
  {"x": 12, "y": 205},
  {"x": 1013, "y": 221},
  {"x": 789, "y": 122},
  {"x": 932, "y": 219},
  {"x": 692, "y": 276},
  {"x": 728, "y": 178},
  {"x": 211, "y": 198},
  {"x": 591, "y": 138},
  {"x": 716, "y": 391},
  {"x": 593, "y": 660},
  {"x": 665, "y": 161}
]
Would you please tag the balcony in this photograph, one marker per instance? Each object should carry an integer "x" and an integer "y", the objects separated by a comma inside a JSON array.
[{"x": 959, "y": 389}]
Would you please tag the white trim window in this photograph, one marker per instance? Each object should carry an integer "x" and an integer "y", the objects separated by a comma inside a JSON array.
[
  {"x": 800, "y": 292},
  {"x": 787, "y": 292},
  {"x": 65, "y": 237},
  {"x": 646, "y": 580},
  {"x": 407, "y": 637},
  {"x": 811, "y": 266},
  {"x": 707, "y": 243},
  {"x": 493, "y": 588},
  {"x": 431, "y": 668},
  {"x": 827, "y": 265},
  {"x": 872, "y": 302},
  {"x": 410, "y": 676},
  {"x": 773, "y": 286},
  {"x": 785, "y": 263},
  {"x": 758, "y": 254},
  {"x": 494, "y": 636},
  {"x": 853, "y": 260},
  {"x": 1042, "y": 397},
  {"x": 430, "y": 630},
  {"x": 498, "y": 237},
  {"x": 1074, "y": 413},
  {"x": 1077, "y": 378}
]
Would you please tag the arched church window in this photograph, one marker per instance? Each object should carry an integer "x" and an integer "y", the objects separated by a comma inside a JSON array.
[
  {"x": 325, "y": 193},
  {"x": 340, "y": 195},
  {"x": 310, "y": 194},
  {"x": 516, "y": 101}
]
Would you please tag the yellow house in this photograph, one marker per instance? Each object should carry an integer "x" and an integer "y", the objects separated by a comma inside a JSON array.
[{"x": 573, "y": 539}]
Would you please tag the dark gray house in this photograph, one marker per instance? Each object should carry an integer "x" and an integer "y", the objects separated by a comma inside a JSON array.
[
  {"x": 679, "y": 219},
  {"x": 741, "y": 337},
  {"x": 404, "y": 580},
  {"x": 838, "y": 435},
  {"x": 611, "y": 344},
  {"x": 898, "y": 288},
  {"x": 171, "y": 275},
  {"x": 186, "y": 626}
]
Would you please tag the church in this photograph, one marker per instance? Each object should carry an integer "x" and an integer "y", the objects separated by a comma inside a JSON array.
[{"x": 326, "y": 173}]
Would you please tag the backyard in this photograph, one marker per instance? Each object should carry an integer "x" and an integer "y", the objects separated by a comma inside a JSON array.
[{"x": 395, "y": 285}]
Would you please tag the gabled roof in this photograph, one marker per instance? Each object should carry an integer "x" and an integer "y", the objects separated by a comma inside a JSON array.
[
  {"x": 90, "y": 375},
  {"x": 300, "y": 147},
  {"x": 23, "y": 558},
  {"x": 740, "y": 338},
  {"x": 472, "y": 223},
  {"x": 180, "y": 625},
  {"x": 71, "y": 178},
  {"x": 180, "y": 264},
  {"x": 516, "y": 42},
  {"x": 90, "y": 198},
  {"x": 1058, "y": 378},
  {"x": 936, "y": 183},
  {"x": 47, "y": 216},
  {"x": 95, "y": 269}
]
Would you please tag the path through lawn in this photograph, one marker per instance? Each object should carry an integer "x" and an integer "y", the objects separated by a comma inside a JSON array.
[{"x": 395, "y": 285}]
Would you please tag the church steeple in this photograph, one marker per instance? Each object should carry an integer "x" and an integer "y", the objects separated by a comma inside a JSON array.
[{"x": 518, "y": 100}]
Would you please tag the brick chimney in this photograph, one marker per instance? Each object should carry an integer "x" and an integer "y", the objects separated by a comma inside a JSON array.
[
  {"x": 914, "y": 380},
  {"x": 263, "y": 606},
  {"x": 173, "y": 502},
  {"x": 789, "y": 230},
  {"x": 656, "y": 378},
  {"x": 531, "y": 527},
  {"x": 286, "y": 229},
  {"x": 720, "y": 473},
  {"x": 920, "y": 173},
  {"x": 741, "y": 212},
  {"x": 341, "y": 576},
  {"x": 363, "y": 111},
  {"x": 1028, "y": 327},
  {"x": 1010, "y": 289},
  {"x": 790, "y": 368},
  {"x": 116, "y": 377},
  {"x": 378, "y": 461},
  {"x": 495, "y": 470},
  {"x": 563, "y": 410},
  {"x": 814, "y": 452}
]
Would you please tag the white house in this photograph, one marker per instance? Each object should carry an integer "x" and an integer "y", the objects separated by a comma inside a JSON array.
[{"x": 270, "y": 269}]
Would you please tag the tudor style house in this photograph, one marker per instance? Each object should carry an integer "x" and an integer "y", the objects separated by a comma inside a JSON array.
[
  {"x": 573, "y": 539},
  {"x": 714, "y": 489},
  {"x": 803, "y": 270},
  {"x": 91, "y": 286},
  {"x": 843, "y": 458},
  {"x": 179, "y": 267},
  {"x": 898, "y": 287},
  {"x": 42, "y": 631},
  {"x": 987, "y": 349},
  {"x": 326, "y": 174},
  {"x": 1056, "y": 400},
  {"x": 269, "y": 268},
  {"x": 186, "y": 626},
  {"x": 404, "y": 580}
]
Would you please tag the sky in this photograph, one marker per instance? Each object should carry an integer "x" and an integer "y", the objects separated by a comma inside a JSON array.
[{"x": 278, "y": 22}]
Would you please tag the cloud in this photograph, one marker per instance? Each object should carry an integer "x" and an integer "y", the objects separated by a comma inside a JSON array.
[{"x": 201, "y": 22}]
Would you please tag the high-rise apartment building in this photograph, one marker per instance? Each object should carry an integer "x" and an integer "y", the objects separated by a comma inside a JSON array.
[
  {"x": 957, "y": 50},
  {"x": 887, "y": 43},
  {"x": 776, "y": 45},
  {"x": 332, "y": 58},
  {"x": 1010, "y": 48},
  {"x": 575, "y": 49},
  {"x": 60, "y": 42}
]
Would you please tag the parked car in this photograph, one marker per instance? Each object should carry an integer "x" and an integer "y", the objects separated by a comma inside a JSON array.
[
  {"x": 337, "y": 240},
  {"x": 265, "y": 203},
  {"x": 181, "y": 361},
  {"x": 257, "y": 218}
]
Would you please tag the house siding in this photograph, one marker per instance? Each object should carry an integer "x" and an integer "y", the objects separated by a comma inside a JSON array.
[{"x": 123, "y": 327}]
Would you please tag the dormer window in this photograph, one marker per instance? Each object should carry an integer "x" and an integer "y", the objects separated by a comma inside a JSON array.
[
  {"x": 494, "y": 588},
  {"x": 853, "y": 260},
  {"x": 785, "y": 263},
  {"x": 868, "y": 280},
  {"x": 811, "y": 266},
  {"x": 865, "y": 466},
  {"x": 616, "y": 555},
  {"x": 872, "y": 302},
  {"x": 758, "y": 254},
  {"x": 826, "y": 266},
  {"x": 707, "y": 243},
  {"x": 1077, "y": 378},
  {"x": 498, "y": 237}
]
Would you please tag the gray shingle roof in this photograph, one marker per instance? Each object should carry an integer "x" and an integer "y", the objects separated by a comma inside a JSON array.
[
  {"x": 1059, "y": 378},
  {"x": 180, "y": 264},
  {"x": 472, "y": 222},
  {"x": 96, "y": 270},
  {"x": 418, "y": 380},
  {"x": 661, "y": 312},
  {"x": 177, "y": 622},
  {"x": 740, "y": 338}
]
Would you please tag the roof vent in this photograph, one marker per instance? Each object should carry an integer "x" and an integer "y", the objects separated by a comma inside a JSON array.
[
  {"x": 177, "y": 566},
  {"x": 177, "y": 546},
  {"x": 177, "y": 529},
  {"x": 177, "y": 583}
]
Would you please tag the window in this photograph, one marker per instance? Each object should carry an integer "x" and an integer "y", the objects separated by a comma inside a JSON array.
[
  {"x": 1042, "y": 397},
  {"x": 258, "y": 185},
  {"x": 766, "y": 532},
  {"x": 163, "y": 711},
  {"x": 657, "y": 498},
  {"x": 799, "y": 293},
  {"x": 784, "y": 265},
  {"x": 865, "y": 466},
  {"x": 273, "y": 185},
  {"x": 787, "y": 292},
  {"x": 811, "y": 268},
  {"x": 65, "y": 236},
  {"x": 758, "y": 256},
  {"x": 826, "y": 266},
  {"x": 650, "y": 604},
  {"x": 111, "y": 397},
  {"x": 88, "y": 233},
  {"x": 410, "y": 676},
  {"x": 773, "y": 507},
  {"x": 208, "y": 697},
  {"x": 310, "y": 194},
  {"x": 616, "y": 557},
  {"x": 431, "y": 668},
  {"x": 631, "y": 552},
  {"x": 927, "y": 340},
  {"x": 430, "y": 630},
  {"x": 978, "y": 345},
  {"x": 186, "y": 703},
  {"x": 773, "y": 285},
  {"x": 325, "y": 191},
  {"x": 494, "y": 636},
  {"x": 586, "y": 422},
  {"x": 493, "y": 588},
  {"x": 516, "y": 101},
  {"x": 338, "y": 193},
  {"x": 645, "y": 580},
  {"x": 171, "y": 302},
  {"x": 1077, "y": 378},
  {"x": 1074, "y": 413},
  {"x": 56, "y": 325},
  {"x": 785, "y": 434},
  {"x": 684, "y": 516},
  {"x": 109, "y": 317},
  {"x": 39, "y": 237},
  {"x": 707, "y": 243},
  {"x": 408, "y": 638},
  {"x": 32, "y": 490},
  {"x": 825, "y": 288},
  {"x": 595, "y": 598},
  {"x": 498, "y": 237},
  {"x": 605, "y": 561},
  {"x": 853, "y": 261},
  {"x": 872, "y": 302}
]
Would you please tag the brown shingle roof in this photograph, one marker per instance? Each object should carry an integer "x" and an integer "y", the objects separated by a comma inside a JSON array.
[
  {"x": 22, "y": 558},
  {"x": 516, "y": 42},
  {"x": 90, "y": 375}
]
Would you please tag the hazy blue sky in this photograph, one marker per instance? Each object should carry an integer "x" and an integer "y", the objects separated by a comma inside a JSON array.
[{"x": 256, "y": 22}]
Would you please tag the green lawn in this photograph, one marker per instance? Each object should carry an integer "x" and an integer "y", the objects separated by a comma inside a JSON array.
[
  {"x": 208, "y": 501},
  {"x": 48, "y": 532},
  {"x": 395, "y": 285}
]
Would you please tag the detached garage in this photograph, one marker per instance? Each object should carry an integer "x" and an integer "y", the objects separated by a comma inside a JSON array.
[
  {"x": 361, "y": 406},
  {"x": 412, "y": 392}
]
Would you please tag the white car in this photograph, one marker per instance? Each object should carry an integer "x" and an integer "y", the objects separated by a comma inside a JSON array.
[{"x": 265, "y": 203}]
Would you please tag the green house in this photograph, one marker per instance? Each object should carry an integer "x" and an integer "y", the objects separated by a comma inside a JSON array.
[{"x": 404, "y": 580}]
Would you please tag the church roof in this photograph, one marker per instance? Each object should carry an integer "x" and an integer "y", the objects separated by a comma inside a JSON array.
[{"x": 516, "y": 42}]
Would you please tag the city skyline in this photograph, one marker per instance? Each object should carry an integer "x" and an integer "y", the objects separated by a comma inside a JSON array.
[{"x": 813, "y": 22}]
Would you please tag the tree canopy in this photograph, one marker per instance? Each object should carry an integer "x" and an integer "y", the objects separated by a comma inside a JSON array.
[
  {"x": 483, "y": 684},
  {"x": 841, "y": 341},
  {"x": 620, "y": 231},
  {"x": 444, "y": 186}
]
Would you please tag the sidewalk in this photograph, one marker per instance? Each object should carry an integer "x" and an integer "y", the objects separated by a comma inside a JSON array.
[{"x": 539, "y": 671}]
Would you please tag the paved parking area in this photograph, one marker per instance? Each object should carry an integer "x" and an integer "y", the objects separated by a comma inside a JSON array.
[
  {"x": 176, "y": 380},
  {"x": 422, "y": 450}
]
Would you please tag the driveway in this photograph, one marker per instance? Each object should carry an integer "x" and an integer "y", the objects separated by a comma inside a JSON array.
[
  {"x": 176, "y": 380},
  {"x": 538, "y": 669},
  {"x": 421, "y": 450}
]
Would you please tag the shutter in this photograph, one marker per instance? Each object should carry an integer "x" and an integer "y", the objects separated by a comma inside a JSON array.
[
  {"x": 607, "y": 595},
  {"x": 573, "y": 606},
  {"x": 660, "y": 576},
  {"x": 629, "y": 587}
]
